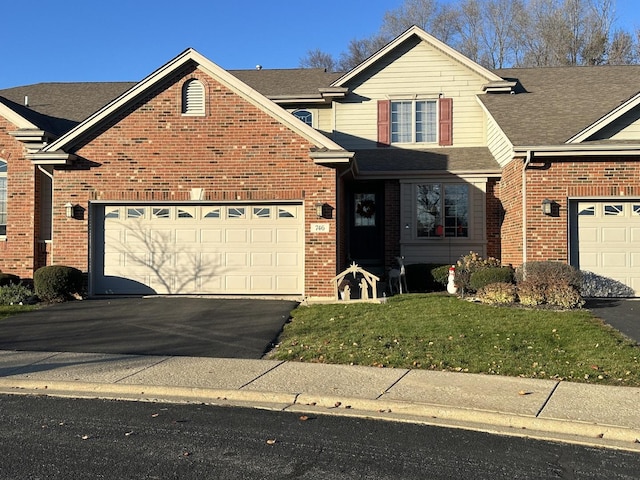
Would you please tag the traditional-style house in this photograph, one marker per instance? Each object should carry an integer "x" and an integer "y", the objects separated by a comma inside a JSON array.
[{"x": 201, "y": 180}]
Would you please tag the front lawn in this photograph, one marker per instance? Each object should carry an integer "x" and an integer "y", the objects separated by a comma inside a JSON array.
[
  {"x": 9, "y": 310},
  {"x": 441, "y": 332}
]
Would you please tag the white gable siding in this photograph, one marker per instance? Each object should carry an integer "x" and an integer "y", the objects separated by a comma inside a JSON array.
[
  {"x": 498, "y": 143},
  {"x": 626, "y": 127},
  {"x": 424, "y": 71}
]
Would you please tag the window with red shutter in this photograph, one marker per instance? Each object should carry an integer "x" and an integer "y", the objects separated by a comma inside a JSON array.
[
  {"x": 384, "y": 119},
  {"x": 445, "y": 122}
]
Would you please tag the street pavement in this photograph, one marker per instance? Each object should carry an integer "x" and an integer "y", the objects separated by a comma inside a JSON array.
[
  {"x": 141, "y": 352},
  {"x": 602, "y": 416}
]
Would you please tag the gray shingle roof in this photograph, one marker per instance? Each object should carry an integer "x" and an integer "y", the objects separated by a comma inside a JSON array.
[
  {"x": 398, "y": 160},
  {"x": 280, "y": 82},
  {"x": 58, "y": 107},
  {"x": 555, "y": 103}
]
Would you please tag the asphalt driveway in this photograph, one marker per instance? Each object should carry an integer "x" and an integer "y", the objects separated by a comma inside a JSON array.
[
  {"x": 199, "y": 327},
  {"x": 623, "y": 314}
]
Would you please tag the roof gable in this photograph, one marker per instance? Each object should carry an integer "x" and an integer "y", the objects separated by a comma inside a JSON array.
[
  {"x": 603, "y": 124},
  {"x": 409, "y": 35},
  {"x": 188, "y": 57}
]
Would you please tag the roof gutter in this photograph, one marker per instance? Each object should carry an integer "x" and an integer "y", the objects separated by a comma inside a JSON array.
[{"x": 582, "y": 150}]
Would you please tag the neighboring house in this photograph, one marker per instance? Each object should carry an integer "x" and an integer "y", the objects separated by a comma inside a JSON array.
[{"x": 201, "y": 180}]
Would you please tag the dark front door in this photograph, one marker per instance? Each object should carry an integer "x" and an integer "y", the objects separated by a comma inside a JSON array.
[{"x": 366, "y": 226}]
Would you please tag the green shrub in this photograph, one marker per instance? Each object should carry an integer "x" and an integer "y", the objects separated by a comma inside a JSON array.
[
  {"x": 440, "y": 274},
  {"x": 489, "y": 275},
  {"x": 469, "y": 264},
  {"x": 8, "y": 279},
  {"x": 57, "y": 283},
  {"x": 530, "y": 293},
  {"x": 501, "y": 293},
  {"x": 549, "y": 273},
  {"x": 15, "y": 294}
]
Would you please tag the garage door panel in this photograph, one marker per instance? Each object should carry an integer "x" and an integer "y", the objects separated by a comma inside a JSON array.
[
  {"x": 234, "y": 259},
  {"x": 287, "y": 260},
  {"x": 202, "y": 249},
  {"x": 618, "y": 234},
  {"x": 236, "y": 236},
  {"x": 262, "y": 282},
  {"x": 261, "y": 236},
  {"x": 262, "y": 259},
  {"x": 187, "y": 236},
  {"x": 287, "y": 283},
  {"x": 609, "y": 240},
  {"x": 589, "y": 234},
  {"x": 214, "y": 259},
  {"x": 213, "y": 236},
  {"x": 614, "y": 260},
  {"x": 236, "y": 283},
  {"x": 588, "y": 260},
  {"x": 288, "y": 235}
]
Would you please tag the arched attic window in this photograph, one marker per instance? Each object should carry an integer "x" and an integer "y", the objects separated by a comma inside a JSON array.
[
  {"x": 193, "y": 100},
  {"x": 305, "y": 115}
]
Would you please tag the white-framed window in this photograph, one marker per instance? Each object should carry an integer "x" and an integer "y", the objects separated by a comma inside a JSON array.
[
  {"x": 442, "y": 210},
  {"x": 193, "y": 98},
  {"x": 3, "y": 198},
  {"x": 414, "y": 121},
  {"x": 305, "y": 115}
]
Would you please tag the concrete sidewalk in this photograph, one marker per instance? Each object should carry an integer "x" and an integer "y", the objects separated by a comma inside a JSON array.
[{"x": 560, "y": 411}]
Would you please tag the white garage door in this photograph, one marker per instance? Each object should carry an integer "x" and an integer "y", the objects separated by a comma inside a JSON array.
[
  {"x": 206, "y": 249},
  {"x": 609, "y": 240}
]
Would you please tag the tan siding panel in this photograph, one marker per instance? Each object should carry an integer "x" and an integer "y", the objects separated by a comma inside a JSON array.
[{"x": 421, "y": 71}]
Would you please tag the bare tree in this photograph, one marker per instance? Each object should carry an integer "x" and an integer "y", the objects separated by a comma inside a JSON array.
[
  {"x": 318, "y": 59},
  {"x": 504, "y": 33},
  {"x": 622, "y": 50}
]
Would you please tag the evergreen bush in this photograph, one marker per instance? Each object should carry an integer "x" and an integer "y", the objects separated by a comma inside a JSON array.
[
  {"x": 488, "y": 275},
  {"x": 57, "y": 283}
]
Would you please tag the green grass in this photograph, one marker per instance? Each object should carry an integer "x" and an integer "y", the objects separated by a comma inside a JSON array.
[
  {"x": 9, "y": 310},
  {"x": 440, "y": 332}
]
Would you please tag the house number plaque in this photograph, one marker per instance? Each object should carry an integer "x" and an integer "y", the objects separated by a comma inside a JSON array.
[{"x": 319, "y": 228}]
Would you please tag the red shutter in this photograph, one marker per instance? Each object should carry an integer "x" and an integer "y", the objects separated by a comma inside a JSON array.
[
  {"x": 384, "y": 120},
  {"x": 446, "y": 121}
]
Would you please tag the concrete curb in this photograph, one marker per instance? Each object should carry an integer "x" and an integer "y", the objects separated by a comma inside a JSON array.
[{"x": 583, "y": 433}]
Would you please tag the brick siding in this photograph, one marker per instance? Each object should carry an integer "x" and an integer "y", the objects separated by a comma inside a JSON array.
[
  {"x": 558, "y": 180},
  {"x": 153, "y": 152}
]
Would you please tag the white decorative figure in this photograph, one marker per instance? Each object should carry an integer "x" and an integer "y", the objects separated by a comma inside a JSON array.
[
  {"x": 397, "y": 277},
  {"x": 452, "y": 288},
  {"x": 346, "y": 293},
  {"x": 364, "y": 289}
]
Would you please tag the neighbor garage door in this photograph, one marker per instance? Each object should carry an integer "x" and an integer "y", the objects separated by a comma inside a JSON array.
[
  {"x": 206, "y": 249},
  {"x": 609, "y": 240}
]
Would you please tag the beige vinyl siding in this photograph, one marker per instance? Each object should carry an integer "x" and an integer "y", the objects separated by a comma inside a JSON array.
[
  {"x": 325, "y": 120},
  {"x": 442, "y": 250},
  {"x": 626, "y": 127},
  {"x": 498, "y": 143},
  {"x": 423, "y": 71}
]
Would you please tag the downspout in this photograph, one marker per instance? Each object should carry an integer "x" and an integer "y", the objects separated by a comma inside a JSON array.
[
  {"x": 527, "y": 161},
  {"x": 43, "y": 170}
]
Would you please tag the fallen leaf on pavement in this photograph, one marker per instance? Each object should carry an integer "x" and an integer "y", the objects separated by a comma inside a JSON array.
[{"x": 271, "y": 441}]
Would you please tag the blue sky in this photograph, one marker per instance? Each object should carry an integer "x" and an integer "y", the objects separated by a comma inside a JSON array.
[{"x": 124, "y": 40}]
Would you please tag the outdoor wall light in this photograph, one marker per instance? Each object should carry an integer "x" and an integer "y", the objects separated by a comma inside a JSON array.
[
  {"x": 547, "y": 206},
  {"x": 68, "y": 207},
  {"x": 406, "y": 226},
  {"x": 319, "y": 210}
]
